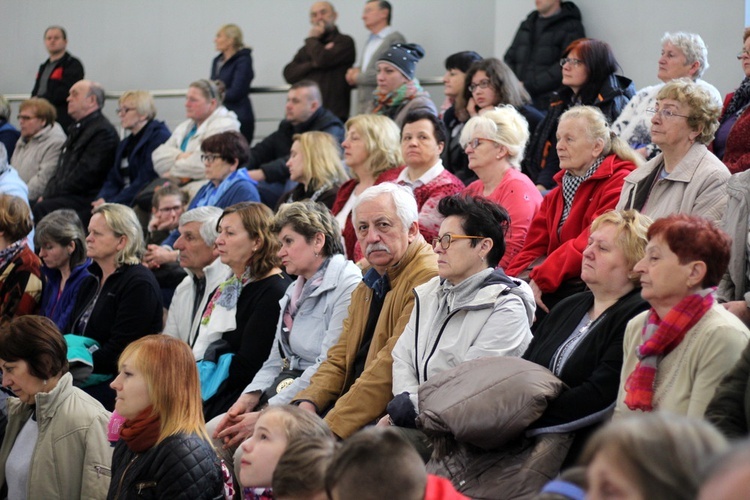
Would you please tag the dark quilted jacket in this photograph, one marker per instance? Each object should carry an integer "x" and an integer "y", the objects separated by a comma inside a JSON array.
[{"x": 181, "y": 466}]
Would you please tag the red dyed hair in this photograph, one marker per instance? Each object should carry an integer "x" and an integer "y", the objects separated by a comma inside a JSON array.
[{"x": 695, "y": 238}]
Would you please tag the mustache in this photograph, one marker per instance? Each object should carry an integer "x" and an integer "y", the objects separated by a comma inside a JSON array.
[{"x": 377, "y": 247}]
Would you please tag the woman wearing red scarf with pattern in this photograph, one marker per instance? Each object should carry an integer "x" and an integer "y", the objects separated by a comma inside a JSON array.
[
  {"x": 164, "y": 449},
  {"x": 677, "y": 352}
]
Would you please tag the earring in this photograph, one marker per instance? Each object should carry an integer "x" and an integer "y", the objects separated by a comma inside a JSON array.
[{"x": 316, "y": 254}]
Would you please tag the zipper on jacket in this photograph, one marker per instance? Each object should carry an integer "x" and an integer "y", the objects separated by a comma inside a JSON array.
[
  {"x": 122, "y": 478},
  {"x": 143, "y": 485},
  {"x": 102, "y": 470},
  {"x": 437, "y": 341}
]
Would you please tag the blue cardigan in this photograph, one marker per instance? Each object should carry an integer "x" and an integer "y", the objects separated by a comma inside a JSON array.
[
  {"x": 140, "y": 166},
  {"x": 60, "y": 309}
]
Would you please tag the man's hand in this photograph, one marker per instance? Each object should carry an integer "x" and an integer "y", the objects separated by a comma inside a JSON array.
[
  {"x": 257, "y": 174},
  {"x": 306, "y": 405},
  {"x": 156, "y": 256},
  {"x": 96, "y": 203},
  {"x": 351, "y": 76}
]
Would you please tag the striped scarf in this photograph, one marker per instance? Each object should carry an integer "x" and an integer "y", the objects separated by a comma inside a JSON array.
[{"x": 660, "y": 337}]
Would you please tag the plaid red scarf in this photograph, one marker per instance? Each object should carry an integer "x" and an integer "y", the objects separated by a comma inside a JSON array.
[{"x": 660, "y": 337}]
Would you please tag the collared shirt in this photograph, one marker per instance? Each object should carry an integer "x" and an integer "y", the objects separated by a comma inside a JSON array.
[
  {"x": 372, "y": 44},
  {"x": 429, "y": 176}
]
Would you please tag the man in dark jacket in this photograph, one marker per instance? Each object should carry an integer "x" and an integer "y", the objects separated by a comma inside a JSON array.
[
  {"x": 324, "y": 59},
  {"x": 534, "y": 55},
  {"x": 57, "y": 74},
  {"x": 86, "y": 156},
  {"x": 303, "y": 113}
]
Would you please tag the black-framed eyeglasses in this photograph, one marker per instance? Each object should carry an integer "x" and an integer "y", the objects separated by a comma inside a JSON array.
[
  {"x": 664, "y": 113},
  {"x": 480, "y": 85},
  {"x": 209, "y": 157},
  {"x": 572, "y": 61},
  {"x": 446, "y": 240},
  {"x": 124, "y": 110}
]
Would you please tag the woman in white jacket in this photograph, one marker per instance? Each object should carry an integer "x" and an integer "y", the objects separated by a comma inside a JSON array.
[
  {"x": 180, "y": 156},
  {"x": 470, "y": 310}
]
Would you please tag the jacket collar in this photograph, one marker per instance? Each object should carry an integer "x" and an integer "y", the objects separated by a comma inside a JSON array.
[
  {"x": 417, "y": 249},
  {"x": 606, "y": 169},
  {"x": 47, "y": 403},
  {"x": 683, "y": 172}
]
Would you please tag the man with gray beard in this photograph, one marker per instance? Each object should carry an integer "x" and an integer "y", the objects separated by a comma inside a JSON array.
[{"x": 353, "y": 385}]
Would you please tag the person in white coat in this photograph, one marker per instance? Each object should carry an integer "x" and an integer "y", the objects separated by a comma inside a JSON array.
[
  {"x": 180, "y": 157},
  {"x": 470, "y": 310},
  {"x": 199, "y": 257}
]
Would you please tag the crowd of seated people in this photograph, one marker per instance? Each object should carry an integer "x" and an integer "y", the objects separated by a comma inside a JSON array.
[{"x": 231, "y": 308}]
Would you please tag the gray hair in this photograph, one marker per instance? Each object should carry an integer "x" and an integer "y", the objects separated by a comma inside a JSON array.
[
  {"x": 403, "y": 198},
  {"x": 96, "y": 90},
  {"x": 503, "y": 125},
  {"x": 692, "y": 45},
  {"x": 208, "y": 218}
]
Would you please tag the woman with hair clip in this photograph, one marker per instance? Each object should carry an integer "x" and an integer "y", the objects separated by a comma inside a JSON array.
[
  {"x": 55, "y": 443},
  {"x": 234, "y": 67},
  {"x": 243, "y": 311},
  {"x": 62, "y": 248},
  {"x": 315, "y": 164},
  {"x": 313, "y": 311},
  {"x": 588, "y": 78},
  {"x": 180, "y": 157},
  {"x": 164, "y": 450},
  {"x": 123, "y": 303}
]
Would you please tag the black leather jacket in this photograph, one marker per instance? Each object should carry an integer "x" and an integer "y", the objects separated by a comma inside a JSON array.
[{"x": 181, "y": 466}]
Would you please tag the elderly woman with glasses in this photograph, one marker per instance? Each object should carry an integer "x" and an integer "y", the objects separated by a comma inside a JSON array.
[
  {"x": 494, "y": 143},
  {"x": 133, "y": 168},
  {"x": 588, "y": 78},
  {"x": 683, "y": 55},
  {"x": 685, "y": 177},
  {"x": 731, "y": 144},
  {"x": 470, "y": 310},
  {"x": 38, "y": 149}
]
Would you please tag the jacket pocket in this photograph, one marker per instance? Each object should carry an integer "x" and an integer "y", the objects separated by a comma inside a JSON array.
[
  {"x": 145, "y": 488},
  {"x": 102, "y": 470}
]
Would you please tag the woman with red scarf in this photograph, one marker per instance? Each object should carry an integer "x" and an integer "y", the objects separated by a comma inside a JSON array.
[
  {"x": 677, "y": 352},
  {"x": 164, "y": 450}
]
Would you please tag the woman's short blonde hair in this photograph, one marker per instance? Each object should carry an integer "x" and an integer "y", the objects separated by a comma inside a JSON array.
[
  {"x": 597, "y": 129},
  {"x": 664, "y": 453},
  {"x": 503, "y": 125},
  {"x": 234, "y": 33},
  {"x": 122, "y": 221},
  {"x": 382, "y": 141},
  {"x": 143, "y": 102},
  {"x": 321, "y": 159},
  {"x": 257, "y": 219},
  {"x": 704, "y": 111},
  {"x": 168, "y": 365},
  {"x": 632, "y": 228}
]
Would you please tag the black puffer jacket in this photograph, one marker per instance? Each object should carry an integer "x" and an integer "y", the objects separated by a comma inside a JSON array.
[
  {"x": 181, "y": 466},
  {"x": 537, "y": 48}
]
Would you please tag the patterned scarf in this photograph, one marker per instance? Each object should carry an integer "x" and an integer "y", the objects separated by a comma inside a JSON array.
[
  {"x": 227, "y": 294},
  {"x": 11, "y": 251},
  {"x": 570, "y": 185},
  {"x": 303, "y": 289},
  {"x": 386, "y": 101},
  {"x": 142, "y": 432},
  {"x": 660, "y": 337},
  {"x": 740, "y": 100}
]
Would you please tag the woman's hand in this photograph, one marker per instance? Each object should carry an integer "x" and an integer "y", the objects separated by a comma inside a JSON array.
[
  {"x": 384, "y": 422},
  {"x": 471, "y": 107},
  {"x": 306, "y": 405},
  {"x": 538, "y": 296},
  {"x": 739, "y": 308},
  {"x": 157, "y": 256},
  {"x": 236, "y": 429}
]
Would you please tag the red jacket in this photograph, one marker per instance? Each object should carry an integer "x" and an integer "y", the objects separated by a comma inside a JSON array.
[
  {"x": 596, "y": 195},
  {"x": 439, "y": 488},
  {"x": 737, "y": 152},
  {"x": 345, "y": 192}
]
